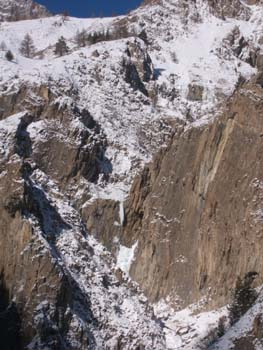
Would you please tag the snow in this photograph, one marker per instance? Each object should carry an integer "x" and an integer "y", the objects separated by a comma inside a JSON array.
[
  {"x": 114, "y": 191},
  {"x": 120, "y": 311},
  {"x": 123, "y": 312},
  {"x": 122, "y": 213},
  {"x": 10, "y": 124},
  {"x": 125, "y": 257},
  {"x": 54, "y": 28},
  {"x": 186, "y": 329},
  {"x": 199, "y": 61},
  {"x": 135, "y": 128},
  {"x": 241, "y": 328},
  {"x": 8, "y": 129},
  {"x": 36, "y": 128},
  {"x": 129, "y": 120}
]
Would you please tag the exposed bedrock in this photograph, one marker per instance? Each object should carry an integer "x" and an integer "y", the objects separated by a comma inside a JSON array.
[
  {"x": 196, "y": 210},
  {"x": 16, "y": 10},
  {"x": 44, "y": 151},
  {"x": 220, "y": 8},
  {"x": 67, "y": 141},
  {"x": 199, "y": 227},
  {"x": 28, "y": 272}
]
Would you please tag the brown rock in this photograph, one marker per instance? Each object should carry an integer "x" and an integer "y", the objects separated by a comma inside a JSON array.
[
  {"x": 195, "y": 213},
  {"x": 259, "y": 63},
  {"x": 259, "y": 79},
  {"x": 258, "y": 327},
  {"x": 244, "y": 343},
  {"x": 195, "y": 92}
]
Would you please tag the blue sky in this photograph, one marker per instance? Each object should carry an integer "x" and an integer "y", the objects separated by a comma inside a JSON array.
[{"x": 87, "y": 8}]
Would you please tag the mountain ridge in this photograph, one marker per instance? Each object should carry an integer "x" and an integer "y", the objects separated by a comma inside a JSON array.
[{"x": 128, "y": 164}]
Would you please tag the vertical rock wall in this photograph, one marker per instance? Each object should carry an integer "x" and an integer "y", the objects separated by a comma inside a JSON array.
[{"x": 197, "y": 210}]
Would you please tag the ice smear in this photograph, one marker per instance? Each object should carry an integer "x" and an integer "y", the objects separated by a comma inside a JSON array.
[{"x": 122, "y": 213}]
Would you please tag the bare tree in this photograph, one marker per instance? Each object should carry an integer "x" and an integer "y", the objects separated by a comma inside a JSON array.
[
  {"x": 27, "y": 47},
  {"x": 65, "y": 16}
]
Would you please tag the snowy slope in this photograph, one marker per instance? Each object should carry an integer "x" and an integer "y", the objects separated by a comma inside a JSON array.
[
  {"x": 190, "y": 47},
  {"x": 184, "y": 52},
  {"x": 120, "y": 310},
  {"x": 188, "y": 328},
  {"x": 245, "y": 327}
]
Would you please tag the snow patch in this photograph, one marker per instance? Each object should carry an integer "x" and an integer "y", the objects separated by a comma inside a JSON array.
[
  {"x": 8, "y": 129},
  {"x": 185, "y": 329},
  {"x": 10, "y": 124},
  {"x": 126, "y": 257}
]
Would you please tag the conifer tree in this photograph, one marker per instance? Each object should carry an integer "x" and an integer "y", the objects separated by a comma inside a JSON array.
[
  {"x": 81, "y": 38},
  {"x": 61, "y": 47},
  {"x": 244, "y": 297},
  {"x": 27, "y": 47},
  {"x": 9, "y": 56},
  {"x": 143, "y": 36}
]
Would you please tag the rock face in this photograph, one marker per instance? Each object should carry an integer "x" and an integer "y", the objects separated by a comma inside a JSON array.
[
  {"x": 134, "y": 158},
  {"x": 229, "y": 8},
  {"x": 138, "y": 66},
  {"x": 222, "y": 8},
  {"x": 16, "y": 10},
  {"x": 43, "y": 301},
  {"x": 196, "y": 211},
  {"x": 27, "y": 269}
]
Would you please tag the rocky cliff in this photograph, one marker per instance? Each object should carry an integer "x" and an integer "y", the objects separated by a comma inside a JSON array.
[
  {"x": 132, "y": 164},
  {"x": 16, "y": 10},
  {"x": 196, "y": 210},
  {"x": 41, "y": 233}
]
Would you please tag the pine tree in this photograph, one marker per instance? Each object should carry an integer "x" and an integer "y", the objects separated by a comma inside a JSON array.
[
  {"x": 61, "y": 47},
  {"x": 81, "y": 38},
  {"x": 244, "y": 297},
  {"x": 27, "y": 47},
  {"x": 107, "y": 35},
  {"x": 9, "y": 56},
  {"x": 93, "y": 38},
  {"x": 143, "y": 36}
]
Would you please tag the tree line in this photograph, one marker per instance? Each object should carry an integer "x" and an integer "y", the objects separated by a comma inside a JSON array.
[{"x": 81, "y": 39}]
